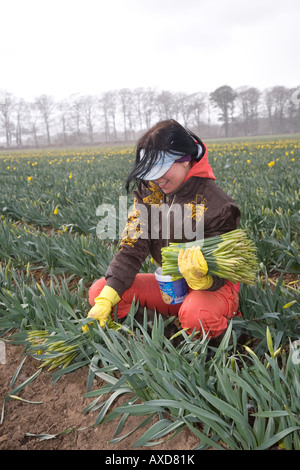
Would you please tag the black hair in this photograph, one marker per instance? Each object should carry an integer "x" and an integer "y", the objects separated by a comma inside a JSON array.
[{"x": 165, "y": 136}]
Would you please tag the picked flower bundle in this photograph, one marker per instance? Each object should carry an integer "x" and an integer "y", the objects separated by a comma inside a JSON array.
[{"x": 230, "y": 256}]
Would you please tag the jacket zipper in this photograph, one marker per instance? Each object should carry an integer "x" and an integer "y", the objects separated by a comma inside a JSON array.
[{"x": 168, "y": 214}]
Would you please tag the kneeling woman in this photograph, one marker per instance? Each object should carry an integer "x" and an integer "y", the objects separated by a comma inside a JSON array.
[{"x": 171, "y": 168}]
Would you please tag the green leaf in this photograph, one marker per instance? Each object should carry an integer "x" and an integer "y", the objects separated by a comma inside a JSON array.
[{"x": 277, "y": 437}]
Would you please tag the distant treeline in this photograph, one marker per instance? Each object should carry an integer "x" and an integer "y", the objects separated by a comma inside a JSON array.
[{"x": 121, "y": 115}]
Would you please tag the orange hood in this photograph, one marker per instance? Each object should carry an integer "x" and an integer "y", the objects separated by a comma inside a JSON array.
[{"x": 201, "y": 168}]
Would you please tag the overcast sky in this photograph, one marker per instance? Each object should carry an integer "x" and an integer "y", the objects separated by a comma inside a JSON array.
[{"x": 61, "y": 47}]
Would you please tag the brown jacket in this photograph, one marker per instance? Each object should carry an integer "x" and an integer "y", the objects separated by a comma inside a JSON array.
[{"x": 221, "y": 215}]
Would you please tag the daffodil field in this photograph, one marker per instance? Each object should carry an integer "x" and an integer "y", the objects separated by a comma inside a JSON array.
[{"x": 246, "y": 395}]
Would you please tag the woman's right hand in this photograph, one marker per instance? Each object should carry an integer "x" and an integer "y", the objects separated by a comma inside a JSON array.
[
  {"x": 104, "y": 303},
  {"x": 193, "y": 267}
]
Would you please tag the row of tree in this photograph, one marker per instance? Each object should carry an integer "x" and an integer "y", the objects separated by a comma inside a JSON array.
[{"x": 121, "y": 115}]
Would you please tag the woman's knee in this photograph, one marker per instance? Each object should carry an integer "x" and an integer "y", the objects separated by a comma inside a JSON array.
[
  {"x": 208, "y": 311},
  {"x": 206, "y": 322},
  {"x": 95, "y": 290}
]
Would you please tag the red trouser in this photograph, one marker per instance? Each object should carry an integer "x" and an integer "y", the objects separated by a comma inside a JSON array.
[{"x": 200, "y": 309}]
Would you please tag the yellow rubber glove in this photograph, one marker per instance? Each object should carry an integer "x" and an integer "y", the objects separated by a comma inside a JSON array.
[
  {"x": 193, "y": 268},
  {"x": 104, "y": 303}
]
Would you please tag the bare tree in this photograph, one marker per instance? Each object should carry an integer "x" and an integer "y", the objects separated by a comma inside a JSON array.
[
  {"x": 45, "y": 105},
  {"x": 149, "y": 99},
  {"x": 199, "y": 105},
  {"x": 104, "y": 103},
  {"x": 131, "y": 115},
  {"x": 64, "y": 110},
  {"x": 269, "y": 103},
  {"x": 165, "y": 104},
  {"x": 138, "y": 94},
  {"x": 184, "y": 105},
  {"x": 108, "y": 106},
  {"x": 293, "y": 110},
  {"x": 126, "y": 104},
  {"x": 248, "y": 100},
  {"x": 7, "y": 106},
  {"x": 76, "y": 115},
  {"x": 276, "y": 100},
  {"x": 113, "y": 113},
  {"x": 281, "y": 97},
  {"x": 21, "y": 121},
  {"x": 88, "y": 108},
  {"x": 33, "y": 122}
]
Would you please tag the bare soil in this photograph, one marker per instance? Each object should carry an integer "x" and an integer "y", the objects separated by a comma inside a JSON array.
[{"x": 61, "y": 409}]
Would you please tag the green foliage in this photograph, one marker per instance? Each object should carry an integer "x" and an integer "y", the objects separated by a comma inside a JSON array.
[
  {"x": 232, "y": 400},
  {"x": 245, "y": 395}
]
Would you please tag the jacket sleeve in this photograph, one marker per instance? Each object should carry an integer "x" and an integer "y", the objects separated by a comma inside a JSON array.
[{"x": 133, "y": 249}]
